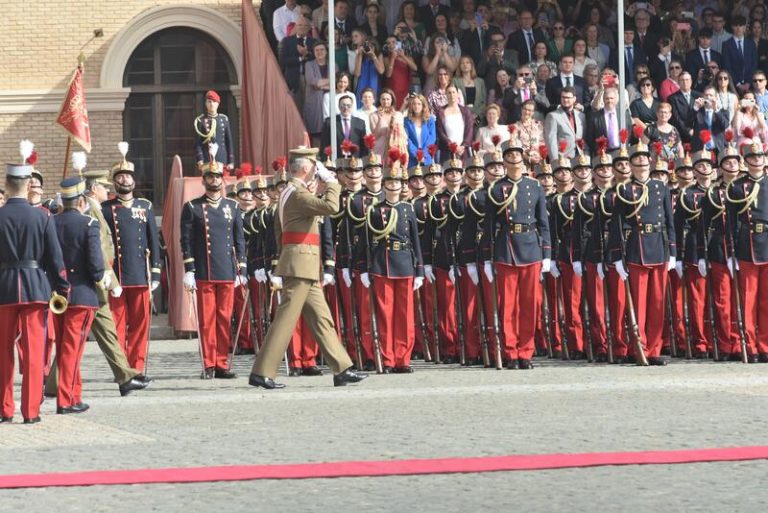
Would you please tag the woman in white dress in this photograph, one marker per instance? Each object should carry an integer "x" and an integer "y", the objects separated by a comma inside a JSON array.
[{"x": 485, "y": 134}]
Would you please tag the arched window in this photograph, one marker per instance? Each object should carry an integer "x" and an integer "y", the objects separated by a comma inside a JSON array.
[{"x": 169, "y": 73}]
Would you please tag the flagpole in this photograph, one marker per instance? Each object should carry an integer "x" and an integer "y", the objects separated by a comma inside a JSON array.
[
  {"x": 332, "y": 78},
  {"x": 621, "y": 70},
  {"x": 66, "y": 157}
]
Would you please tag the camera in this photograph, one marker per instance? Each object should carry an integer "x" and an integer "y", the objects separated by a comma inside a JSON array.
[
  {"x": 706, "y": 74},
  {"x": 746, "y": 102},
  {"x": 528, "y": 80},
  {"x": 366, "y": 47}
]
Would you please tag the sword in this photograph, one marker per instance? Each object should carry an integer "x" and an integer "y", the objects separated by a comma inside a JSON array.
[
  {"x": 151, "y": 308},
  {"x": 193, "y": 315}
]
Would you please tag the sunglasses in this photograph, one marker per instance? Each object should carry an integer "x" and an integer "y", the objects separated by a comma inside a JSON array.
[
  {"x": 558, "y": 28},
  {"x": 675, "y": 67},
  {"x": 646, "y": 85},
  {"x": 758, "y": 80}
]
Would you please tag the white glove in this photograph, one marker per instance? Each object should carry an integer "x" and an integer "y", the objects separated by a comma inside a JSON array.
[
  {"x": 547, "y": 265},
  {"x": 323, "y": 174},
  {"x": 429, "y": 274},
  {"x": 577, "y": 269},
  {"x": 601, "y": 271},
  {"x": 118, "y": 291},
  {"x": 276, "y": 281},
  {"x": 553, "y": 269},
  {"x": 451, "y": 275},
  {"x": 106, "y": 281},
  {"x": 189, "y": 281},
  {"x": 260, "y": 275},
  {"x": 241, "y": 280},
  {"x": 679, "y": 269},
  {"x": 365, "y": 280},
  {"x": 418, "y": 281},
  {"x": 153, "y": 285},
  {"x": 702, "y": 264},
  {"x": 488, "y": 270},
  {"x": 620, "y": 270},
  {"x": 732, "y": 264},
  {"x": 672, "y": 264},
  {"x": 472, "y": 272},
  {"x": 328, "y": 279},
  {"x": 347, "y": 278}
]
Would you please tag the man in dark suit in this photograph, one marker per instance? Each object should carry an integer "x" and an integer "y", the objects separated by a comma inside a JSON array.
[
  {"x": 347, "y": 127},
  {"x": 427, "y": 13},
  {"x": 708, "y": 114},
  {"x": 660, "y": 61},
  {"x": 564, "y": 79},
  {"x": 496, "y": 58},
  {"x": 644, "y": 37},
  {"x": 740, "y": 55},
  {"x": 475, "y": 40},
  {"x": 523, "y": 41},
  {"x": 605, "y": 122},
  {"x": 634, "y": 55},
  {"x": 696, "y": 59},
  {"x": 682, "y": 104},
  {"x": 295, "y": 50},
  {"x": 345, "y": 23}
]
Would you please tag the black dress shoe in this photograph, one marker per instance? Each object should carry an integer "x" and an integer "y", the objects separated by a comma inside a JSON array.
[
  {"x": 631, "y": 358},
  {"x": 524, "y": 364},
  {"x": 407, "y": 369},
  {"x": 578, "y": 355},
  {"x": 417, "y": 356},
  {"x": 735, "y": 357},
  {"x": 701, "y": 355},
  {"x": 49, "y": 395},
  {"x": 619, "y": 360},
  {"x": 294, "y": 372},
  {"x": 131, "y": 385},
  {"x": 752, "y": 358},
  {"x": 657, "y": 361},
  {"x": 260, "y": 381},
  {"x": 6, "y": 420},
  {"x": 348, "y": 376},
  {"x": 369, "y": 366},
  {"x": 513, "y": 365},
  {"x": 601, "y": 358},
  {"x": 207, "y": 373},
  {"x": 763, "y": 358},
  {"x": 224, "y": 374},
  {"x": 32, "y": 421},
  {"x": 75, "y": 408},
  {"x": 142, "y": 378},
  {"x": 387, "y": 370},
  {"x": 312, "y": 371},
  {"x": 556, "y": 354},
  {"x": 450, "y": 360},
  {"x": 666, "y": 351}
]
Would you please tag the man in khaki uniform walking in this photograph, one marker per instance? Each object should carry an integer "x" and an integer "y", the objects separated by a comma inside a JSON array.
[{"x": 297, "y": 277}]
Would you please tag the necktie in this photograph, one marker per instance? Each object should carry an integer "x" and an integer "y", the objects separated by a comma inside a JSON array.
[
  {"x": 687, "y": 97},
  {"x": 531, "y": 44},
  {"x": 709, "y": 118},
  {"x": 706, "y": 56},
  {"x": 525, "y": 95},
  {"x": 345, "y": 122},
  {"x": 572, "y": 120},
  {"x": 612, "y": 143},
  {"x": 567, "y": 81},
  {"x": 741, "y": 50},
  {"x": 630, "y": 60}
]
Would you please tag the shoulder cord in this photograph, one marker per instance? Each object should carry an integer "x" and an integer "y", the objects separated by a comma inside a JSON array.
[
  {"x": 453, "y": 197},
  {"x": 509, "y": 200},
  {"x": 640, "y": 202},
  {"x": 582, "y": 207},
  {"x": 601, "y": 200},
  {"x": 720, "y": 207},
  {"x": 560, "y": 208},
  {"x": 209, "y": 136},
  {"x": 696, "y": 212},
  {"x": 749, "y": 200},
  {"x": 479, "y": 214},
  {"x": 388, "y": 228}
]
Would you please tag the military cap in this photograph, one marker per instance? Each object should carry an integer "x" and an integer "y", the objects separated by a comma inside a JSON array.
[
  {"x": 493, "y": 157},
  {"x": 729, "y": 152},
  {"x": 303, "y": 152},
  {"x": 372, "y": 160},
  {"x": 684, "y": 163},
  {"x": 18, "y": 170},
  {"x": 124, "y": 166},
  {"x": 243, "y": 185},
  {"x": 562, "y": 162},
  {"x": 213, "y": 96},
  {"x": 72, "y": 187},
  {"x": 753, "y": 149},
  {"x": 542, "y": 169},
  {"x": 259, "y": 183},
  {"x": 639, "y": 149},
  {"x": 213, "y": 168},
  {"x": 98, "y": 175},
  {"x": 512, "y": 144}
]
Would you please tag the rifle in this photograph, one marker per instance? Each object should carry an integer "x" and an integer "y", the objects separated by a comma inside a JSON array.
[
  {"x": 566, "y": 355},
  {"x": 482, "y": 323},
  {"x": 546, "y": 317},
  {"x": 357, "y": 339},
  {"x": 423, "y": 326},
  {"x": 435, "y": 325},
  {"x": 585, "y": 315},
  {"x": 372, "y": 300},
  {"x": 458, "y": 302},
  {"x": 737, "y": 290},
  {"x": 640, "y": 357},
  {"x": 192, "y": 313},
  {"x": 671, "y": 318},
  {"x": 606, "y": 294},
  {"x": 151, "y": 308},
  {"x": 686, "y": 315},
  {"x": 710, "y": 302},
  {"x": 494, "y": 302}
]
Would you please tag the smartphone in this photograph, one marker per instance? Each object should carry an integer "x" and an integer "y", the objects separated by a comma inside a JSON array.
[
  {"x": 684, "y": 27},
  {"x": 641, "y": 5},
  {"x": 479, "y": 18},
  {"x": 398, "y": 46},
  {"x": 610, "y": 81},
  {"x": 687, "y": 14}
]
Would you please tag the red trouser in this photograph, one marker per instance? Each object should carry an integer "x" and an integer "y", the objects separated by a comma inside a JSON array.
[
  {"x": 678, "y": 324},
  {"x": 517, "y": 286},
  {"x": 648, "y": 285},
  {"x": 617, "y": 308},
  {"x": 302, "y": 351},
  {"x": 244, "y": 339},
  {"x": 131, "y": 314},
  {"x": 725, "y": 309},
  {"x": 753, "y": 283},
  {"x": 596, "y": 304},
  {"x": 30, "y": 318},
  {"x": 345, "y": 309},
  {"x": 696, "y": 287},
  {"x": 572, "y": 306},
  {"x": 425, "y": 293},
  {"x": 446, "y": 307},
  {"x": 214, "y": 312},
  {"x": 394, "y": 313},
  {"x": 363, "y": 304},
  {"x": 72, "y": 328},
  {"x": 470, "y": 314}
]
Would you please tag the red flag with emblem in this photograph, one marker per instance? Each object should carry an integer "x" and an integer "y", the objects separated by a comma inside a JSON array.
[{"x": 73, "y": 116}]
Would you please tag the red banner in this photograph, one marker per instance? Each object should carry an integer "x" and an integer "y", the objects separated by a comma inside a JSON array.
[{"x": 73, "y": 115}]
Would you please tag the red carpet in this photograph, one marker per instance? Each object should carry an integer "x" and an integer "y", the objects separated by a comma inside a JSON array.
[{"x": 380, "y": 468}]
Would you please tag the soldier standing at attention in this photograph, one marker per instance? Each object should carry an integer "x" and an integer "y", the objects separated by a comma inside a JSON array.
[
  {"x": 298, "y": 240},
  {"x": 213, "y": 128},
  {"x": 31, "y": 264}
]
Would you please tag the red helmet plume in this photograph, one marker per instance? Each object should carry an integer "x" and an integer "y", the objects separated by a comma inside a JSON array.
[
  {"x": 623, "y": 135},
  {"x": 543, "y": 151},
  {"x": 246, "y": 169},
  {"x": 637, "y": 131},
  {"x": 419, "y": 155},
  {"x": 369, "y": 141},
  {"x": 432, "y": 149}
]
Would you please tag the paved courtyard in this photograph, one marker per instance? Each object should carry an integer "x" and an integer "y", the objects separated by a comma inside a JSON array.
[{"x": 436, "y": 412}]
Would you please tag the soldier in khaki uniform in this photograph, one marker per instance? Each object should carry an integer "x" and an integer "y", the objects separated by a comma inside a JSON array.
[{"x": 297, "y": 276}]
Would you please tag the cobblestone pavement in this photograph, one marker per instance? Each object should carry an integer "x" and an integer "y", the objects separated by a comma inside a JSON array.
[{"x": 436, "y": 412}]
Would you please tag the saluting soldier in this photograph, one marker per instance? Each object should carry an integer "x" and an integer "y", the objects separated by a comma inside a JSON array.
[
  {"x": 747, "y": 211},
  {"x": 136, "y": 240},
  {"x": 519, "y": 247},
  {"x": 214, "y": 128},
  {"x": 213, "y": 249},
  {"x": 395, "y": 269},
  {"x": 31, "y": 265},
  {"x": 79, "y": 236},
  {"x": 297, "y": 276},
  {"x": 642, "y": 247}
]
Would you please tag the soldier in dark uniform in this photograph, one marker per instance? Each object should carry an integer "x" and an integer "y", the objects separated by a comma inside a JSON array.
[
  {"x": 256, "y": 223},
  {"x": 31, "y": 265},
  {"x": 136, "y": 240},
  {"x": 747, "y": 212},
  {"x": 214, "y": 128},
  {"x": 80, "y": 240},
  {"x": 642, "y": 247},
  {"x": 518, "y": 244},
  {"x": 213, "y": 249},
  {"x": 395, "y": 270},
  {"x": 244, "y": 198}
]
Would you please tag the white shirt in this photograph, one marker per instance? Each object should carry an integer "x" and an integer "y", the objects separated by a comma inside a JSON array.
[
  {"x": 454, "y": 127},
  {"x": 281, "y": 18},
  {"x": 565, "y": 82}
]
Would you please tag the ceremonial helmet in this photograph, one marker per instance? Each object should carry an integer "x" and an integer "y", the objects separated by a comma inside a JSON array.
[
  {"x": 476, "y": 161},
  {"x": 329, "y": 163},
  {"x": 581, "y": 159},
  {"x": 603, "y": 157},
  {"x": 730, "y": 151},
  {"x": 417, "y": 171},
  {"x": 124, "y": 166},
  {"x": 562, "y": 161},
  {"x": 752, "y": 148},
  {"x": 72, "y": 187},
  {"x": 259, "y": 182},
  {"x": 454, "y": 163},
  {"x": 513, "y": 143},
  {"x": 373, "y": 160},
  {"x": 640, "y": 148},
  {"x": 397, "y": 163},
  {"x": 434, "y": 168},
  {"x": 242, "y": 174},
  {"x": 29, "y": 158},
  {"x": 279, "y": 166}
]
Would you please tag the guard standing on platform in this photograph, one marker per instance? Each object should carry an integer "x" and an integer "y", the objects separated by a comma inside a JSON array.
[
  {"x": 297, "y": 277},
  {"x": 213, "y": 251},
  {"x": 31, "y": 265},
  {"x": 80, "y": 240},
  {"x": 136, "y": 240},
  {"x": 214, "y": 128}
]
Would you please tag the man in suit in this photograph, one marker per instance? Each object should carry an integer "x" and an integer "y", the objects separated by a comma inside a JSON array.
[
  {"x": 660, "y": 60},
  {"x": 708, "y": 114},
  {"x": 524, "y": 88},
  {"x": 634, "y": 55},
  {"x": 605, "y": 122},
  {"x": 295, "y": 50},
  {"x": 740, "y": 55},
  {"x": 564, "y": 124},
  {"x": 496, "y": 58},
  {"x": 523, "y": 41},
  {"x": 474, "y": 41},
  {"x": 645, "y": 39},
  {"x": 696, "y": 59},
  {"x": 347, "y": 127},
  {"x": 345, "y": 23},
  {"x": 682, "y": 103},
  {"x": 298, "y": 274},
  {"x": 284, "y": 16},
  {"x": 566, "y": 78},
  {"x": 427, "y": 14}
]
